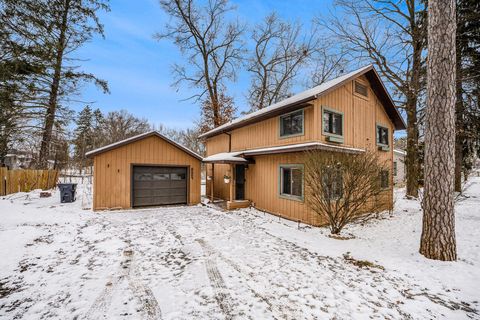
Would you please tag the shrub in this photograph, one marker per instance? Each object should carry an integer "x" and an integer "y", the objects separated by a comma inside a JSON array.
[{"x": 341, "y": 186}]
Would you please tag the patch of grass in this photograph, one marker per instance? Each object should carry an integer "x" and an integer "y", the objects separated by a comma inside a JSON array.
[
  {"x": 341, "y": 237},
  {"x": 361, "y": 263}
]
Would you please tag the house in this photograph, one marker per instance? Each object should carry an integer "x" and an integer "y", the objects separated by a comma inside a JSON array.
[
  {"x": 18, "y": 159},
  {"x": 145, "y": 170},
  {"x": 399, "y": 166},
  {"x": 261, "y": 153}
]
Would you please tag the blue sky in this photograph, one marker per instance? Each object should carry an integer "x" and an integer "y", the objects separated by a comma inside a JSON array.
[{"x": 138, "y": 67}]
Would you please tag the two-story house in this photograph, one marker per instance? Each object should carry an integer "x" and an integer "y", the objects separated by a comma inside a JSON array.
[{"x": 260, "y": 154}]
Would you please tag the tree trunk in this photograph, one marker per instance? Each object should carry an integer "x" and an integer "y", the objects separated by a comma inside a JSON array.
[
  {"x": 412, "y": 158},
  {"x": 438, "y": 234},
  {"x": 459, "y": 123},
  {"x": 459, "y": 138},
  {"x": 411, "y": 161},
  {"x": 53, "y": 95}
]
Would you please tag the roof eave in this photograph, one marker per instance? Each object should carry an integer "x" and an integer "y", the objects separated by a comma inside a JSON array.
[{"x": 285, "y": 109}]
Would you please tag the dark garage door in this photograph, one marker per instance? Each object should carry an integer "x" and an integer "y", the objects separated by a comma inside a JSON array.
[{"x": 153, "y": 186}]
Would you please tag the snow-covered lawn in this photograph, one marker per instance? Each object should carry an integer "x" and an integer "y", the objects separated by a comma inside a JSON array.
[{"x": 58, "y": 261}]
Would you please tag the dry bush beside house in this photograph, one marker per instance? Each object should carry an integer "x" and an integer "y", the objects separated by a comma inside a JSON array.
[{"x": 340, "y": 186}]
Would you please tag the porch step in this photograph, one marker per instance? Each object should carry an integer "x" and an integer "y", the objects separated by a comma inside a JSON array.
[{"x": 237, "y": 204}]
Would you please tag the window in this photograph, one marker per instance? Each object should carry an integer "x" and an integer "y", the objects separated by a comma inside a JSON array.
[
  {"x": 382, "y": 136},
  {"x": 361, "y": 89},
  {"x": 291, "y": 124},
  {"x": 384, "y": 181},
  {"x": 332, "y": 183},
  {"x": 161, "y": 176},
  {"x": 291, "y": 181},
  {"x": 177, "y": 176},
  {"x": 332, "y": 122},
  {"x": 395, "y": 168}
]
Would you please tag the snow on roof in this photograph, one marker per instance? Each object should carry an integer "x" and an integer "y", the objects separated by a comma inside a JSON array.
[
  {"x": 301, "y": 146},
  {"x": 225, "y": 157},
  {"x": 237, "y": 156},
  {"x": 307, "y": 94},
  {"x": 141, "y": 136},
  {"x": 400, "y": 152}
]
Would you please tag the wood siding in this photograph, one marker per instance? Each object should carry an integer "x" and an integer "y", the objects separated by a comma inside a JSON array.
[
  {"x": 360, "y": 117},
  {"x": 26, "y": 180},
  {"x": 113, "y": 169}
]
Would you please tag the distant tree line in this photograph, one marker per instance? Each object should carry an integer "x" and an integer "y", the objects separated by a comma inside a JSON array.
[{"x": 95, "y": 129}]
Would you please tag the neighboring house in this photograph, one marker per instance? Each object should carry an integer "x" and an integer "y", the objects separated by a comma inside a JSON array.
[
  {"x": 262, "y": 152},
  {"x": 146, "y": 170},
  {"x": 18, "y": 160},
  {"x": 399, "y": 166}
]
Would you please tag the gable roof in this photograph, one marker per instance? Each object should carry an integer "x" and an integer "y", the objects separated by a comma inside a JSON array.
[
  {"x": 140, "y": 137},
  {"x": 303, "y": 98}
]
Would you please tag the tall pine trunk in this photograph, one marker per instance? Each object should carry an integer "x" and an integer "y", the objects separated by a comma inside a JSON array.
[
  {"x": 438, "y": 234},
  {"x": 459, "y": 123},
  {"x": 411, "y": 161},
  {"x": 412, "y": 158},
  {"x": 53, "y": 94},
  {"x": 459, "y": 126}
]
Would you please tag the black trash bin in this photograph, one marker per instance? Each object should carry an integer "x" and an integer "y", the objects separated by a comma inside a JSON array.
[{"x": 67, "y": 192}]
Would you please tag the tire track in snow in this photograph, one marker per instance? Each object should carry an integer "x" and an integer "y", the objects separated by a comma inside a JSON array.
[
  {"x": 206, "y": 247},
  {"x": 222, "y": 296},
  {"x": 142, "y": 293},
  {"x": 271, "y": 306},
  {"x": 103, "y": 301}
]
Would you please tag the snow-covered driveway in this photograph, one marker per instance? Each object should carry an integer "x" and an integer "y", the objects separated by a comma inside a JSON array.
[{"x": 201, "y": 263}]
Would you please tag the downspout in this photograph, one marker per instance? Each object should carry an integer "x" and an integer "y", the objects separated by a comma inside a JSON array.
[{"x": 229, "y": 141}]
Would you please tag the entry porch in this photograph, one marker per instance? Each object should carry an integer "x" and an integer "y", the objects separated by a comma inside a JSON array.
[{"x": 226, "y": 179}]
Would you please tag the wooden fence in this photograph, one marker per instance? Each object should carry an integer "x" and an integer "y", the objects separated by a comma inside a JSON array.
[{"x": 12, "y": 181}]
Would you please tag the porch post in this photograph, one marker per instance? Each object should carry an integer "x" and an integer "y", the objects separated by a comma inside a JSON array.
[
  {"x": 211, "y": 182},
  {"x": 232, "y": 178}
]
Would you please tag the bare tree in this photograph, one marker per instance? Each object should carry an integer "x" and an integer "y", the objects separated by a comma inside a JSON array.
[
  {"x": 186, "y": 137},
  {"x": 392, "y": 35},
  {"x": 340, "y": 187},
  {"x": 120, "y": 125},
  {"x": 438, "y": 233},
  {"x": 280, "y": 51},
  {"x": 328, "y": 59},
  {"x": 226, "y": 112},
  {"x": 212, "y": 45}
]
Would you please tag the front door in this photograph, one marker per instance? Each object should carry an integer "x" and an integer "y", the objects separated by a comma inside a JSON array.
[{"x": 239, "y": 182}]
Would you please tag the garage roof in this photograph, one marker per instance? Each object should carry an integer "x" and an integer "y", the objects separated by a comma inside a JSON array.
[
  {"x": 140, "y": 137},
  {"x": 300, "y": 100}
]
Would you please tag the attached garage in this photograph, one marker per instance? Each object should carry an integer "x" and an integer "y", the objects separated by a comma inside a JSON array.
[{"x": 145, "y": 170}]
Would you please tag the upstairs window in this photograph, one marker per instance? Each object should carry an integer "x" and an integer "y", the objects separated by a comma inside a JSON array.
[
  {"x": 332, "y": 122},
  {"x": 382, "y": 136},
  {"x": 361, "y": 89},
  {"x": 291, "y": 181},
  {"x": 291, "y": 124}
]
